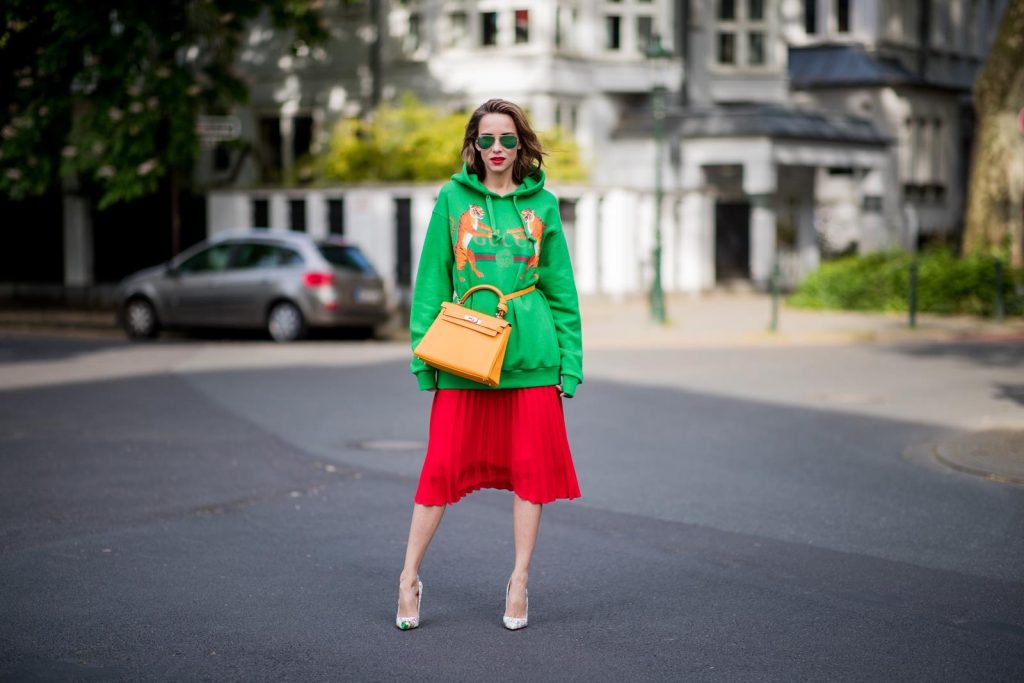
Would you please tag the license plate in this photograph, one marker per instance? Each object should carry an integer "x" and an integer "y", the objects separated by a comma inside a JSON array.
[{"x": 369, "y": 296}]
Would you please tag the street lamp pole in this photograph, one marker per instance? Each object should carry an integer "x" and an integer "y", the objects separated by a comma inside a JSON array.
[
  {"x": 659, "y": 58},
  {"x": 657, "y": 293}
]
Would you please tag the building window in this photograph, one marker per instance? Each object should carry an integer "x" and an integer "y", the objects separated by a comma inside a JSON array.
[
  {"x": 843, "y": 16},
  {"x": 970, "y": 26},
  {"x": 522, "y": 26},
  {"x": 412, "y": 39},
  {"x": 871, "y": 203},
  {"x": 742, "y": 38},
  {"x": 644, "y": 33},
  {"x": 302, "y": 135},
  {"x": 271, "y": 161},
  {"x": 221, "y": 158},
  {"x": 558, "y": 27},
  {"x": 458, "y": 29},
  {"x": 489, "y": 26},
  {"x": 726, "y": 48},
  {"x": 755, "y": 48},
  {"x": 810, "y": 17},
  {"x": 613, "y": 32}
]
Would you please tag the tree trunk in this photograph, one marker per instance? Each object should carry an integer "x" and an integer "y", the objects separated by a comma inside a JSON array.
[{"x": 995, "y": 205}]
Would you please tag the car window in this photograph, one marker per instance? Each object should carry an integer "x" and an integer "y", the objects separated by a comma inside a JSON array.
[
  {"x": 346, "y": 257},
  {"x": 288, "y": 257},
  {"x": 262, "y": 255},
  {"x": 209, "y": 260}
]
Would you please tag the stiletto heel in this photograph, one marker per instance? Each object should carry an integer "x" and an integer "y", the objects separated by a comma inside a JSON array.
[
  {"x": 408, "y": 623},
  {"x": 515, "y": 623}
]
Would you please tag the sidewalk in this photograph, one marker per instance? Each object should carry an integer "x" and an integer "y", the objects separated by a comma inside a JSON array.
[
  {"x": 727, "y": 319},
  {"x": 706, "y": 320}
]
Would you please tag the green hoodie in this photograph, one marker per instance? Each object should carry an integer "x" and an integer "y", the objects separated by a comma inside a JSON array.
[{"x": 511, "y": 241}]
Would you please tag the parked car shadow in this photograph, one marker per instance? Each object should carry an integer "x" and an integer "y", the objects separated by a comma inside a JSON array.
[{"x": 222, "y": 334}]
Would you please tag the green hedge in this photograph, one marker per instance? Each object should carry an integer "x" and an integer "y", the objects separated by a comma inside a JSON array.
[{"x": 880, "y": 282}]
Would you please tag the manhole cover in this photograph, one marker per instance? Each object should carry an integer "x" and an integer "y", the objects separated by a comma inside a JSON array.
[
  {"x": 389, "y": 445},
  {"x": 996, "y": 454}
]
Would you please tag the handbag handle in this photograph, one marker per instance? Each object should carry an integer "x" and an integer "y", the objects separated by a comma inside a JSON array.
[{"x": 502, "y": 307}]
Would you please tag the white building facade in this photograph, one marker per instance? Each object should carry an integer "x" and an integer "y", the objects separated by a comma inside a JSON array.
[{"x": 797, "y": 129}]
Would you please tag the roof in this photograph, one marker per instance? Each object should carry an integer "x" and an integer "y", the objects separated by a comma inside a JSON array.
[
  {"x": 758, "y": 120},
  {"x": 841, "y": 65},
  {"x": 776, "y": 121}
]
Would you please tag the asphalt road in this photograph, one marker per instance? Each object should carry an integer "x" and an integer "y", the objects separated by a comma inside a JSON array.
[{"x": 238, "y": 511}]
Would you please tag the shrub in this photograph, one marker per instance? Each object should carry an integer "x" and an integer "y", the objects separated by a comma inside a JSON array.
[
  {"x": 881, "y": 282},
  {"x": 409, "y": 141}
]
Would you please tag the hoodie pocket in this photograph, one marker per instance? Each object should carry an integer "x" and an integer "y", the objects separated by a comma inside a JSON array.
[{"x": 533, "y": 343}]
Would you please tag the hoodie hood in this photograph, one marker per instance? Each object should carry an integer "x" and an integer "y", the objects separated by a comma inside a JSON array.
[{"x": 529, "y": 186}]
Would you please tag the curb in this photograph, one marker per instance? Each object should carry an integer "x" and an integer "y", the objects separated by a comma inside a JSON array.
[{"x": 996, "y": 455}]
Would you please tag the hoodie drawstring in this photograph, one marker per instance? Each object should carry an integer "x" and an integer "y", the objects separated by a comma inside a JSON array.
[{"x": 491, "y": 218}]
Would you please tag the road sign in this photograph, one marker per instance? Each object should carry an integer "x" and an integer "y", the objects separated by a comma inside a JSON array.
[{"x": 212, "y": 129}]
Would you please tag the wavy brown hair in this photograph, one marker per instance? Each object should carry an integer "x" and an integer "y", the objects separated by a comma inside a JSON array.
[{"x": 531, "y": 155}]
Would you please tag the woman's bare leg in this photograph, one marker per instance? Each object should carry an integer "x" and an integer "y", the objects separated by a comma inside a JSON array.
[
  {"x": 425, "y": 520},
  {"x": 525, "y": 525}
]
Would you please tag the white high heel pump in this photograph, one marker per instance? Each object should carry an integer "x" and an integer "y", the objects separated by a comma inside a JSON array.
[
  {"x": 408, "y": 623},
  {"x": 515, "y": 623}
]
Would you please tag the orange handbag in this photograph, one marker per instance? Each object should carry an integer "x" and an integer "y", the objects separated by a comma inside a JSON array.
[{"x": 468, "y": 343}]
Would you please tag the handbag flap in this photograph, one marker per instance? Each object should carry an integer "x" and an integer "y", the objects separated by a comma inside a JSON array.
[{"x": 470, "y": 319}]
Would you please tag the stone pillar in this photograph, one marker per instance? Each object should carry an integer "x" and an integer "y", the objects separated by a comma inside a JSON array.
[
  {"x": 759, "y": 182},
  {"x": 78, "y": 256},
  {"x": 806, "y": 235},
  {"x": 588, "y": 254},
  {"x": 762, "y": 238},
  {"x": 316, "y": 214},
  {"x": 696, "y": 255}
]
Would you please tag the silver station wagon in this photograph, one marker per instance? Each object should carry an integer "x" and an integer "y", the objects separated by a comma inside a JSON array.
[{"x": 283, "y": 282}]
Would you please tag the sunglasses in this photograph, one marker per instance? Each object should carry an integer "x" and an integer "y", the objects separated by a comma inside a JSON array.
[{"x": 487, "y": 141}]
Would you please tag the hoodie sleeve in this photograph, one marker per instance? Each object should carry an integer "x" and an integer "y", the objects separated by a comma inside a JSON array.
[
  {"x": 559, "y": 288},
  {"x": 433, "y": 286}
]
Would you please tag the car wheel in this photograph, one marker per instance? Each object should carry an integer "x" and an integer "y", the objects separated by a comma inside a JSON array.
[
  {"x": 140, "y": 321},
  {"x": 285, "y": 323}
]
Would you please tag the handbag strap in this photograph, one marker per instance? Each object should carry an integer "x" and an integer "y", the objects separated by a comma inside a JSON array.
[{"x": 503, "y": 298}]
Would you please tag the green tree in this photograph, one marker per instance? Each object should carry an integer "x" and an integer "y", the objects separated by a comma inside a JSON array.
[
  {"x": 408, "y": 141},
  {"x": 108, "y": 91}
]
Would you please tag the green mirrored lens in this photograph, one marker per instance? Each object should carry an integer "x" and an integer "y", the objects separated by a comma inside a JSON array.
[
  {"x": 509, "y": 141},
  {"x": 486, "y": 141}
]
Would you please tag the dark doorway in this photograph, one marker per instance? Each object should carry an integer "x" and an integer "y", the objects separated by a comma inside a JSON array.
[
  {"x": 403, "y": 256},
  {"x": 336, "y": 216},
  {"x": 297, "y": 215},
  {"x": 732, "y": 241}
]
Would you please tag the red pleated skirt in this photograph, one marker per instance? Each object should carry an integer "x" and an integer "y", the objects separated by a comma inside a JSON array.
[{"x": 512, "y": 439}]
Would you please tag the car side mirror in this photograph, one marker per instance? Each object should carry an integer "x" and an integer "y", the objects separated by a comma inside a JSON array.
[{"x": 172, "y": 270}]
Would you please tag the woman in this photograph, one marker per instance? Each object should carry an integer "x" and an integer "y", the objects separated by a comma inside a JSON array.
[{"x": 495, "y": 224}]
